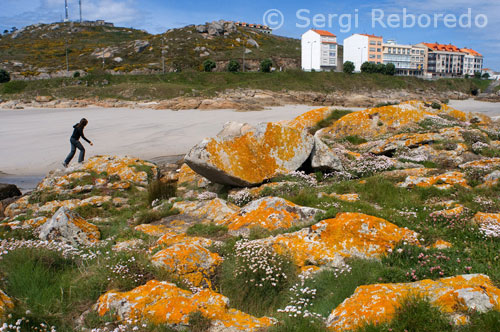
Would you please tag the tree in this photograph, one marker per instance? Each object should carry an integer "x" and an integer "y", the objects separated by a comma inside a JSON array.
[
  {"x": 477, "y": 74},
  {"x": 4, "y": 76},
  {"x": 266, "y": 65},
  {"x": 486, "y": 76},
  {"x": 233, "y": 66},
  {"x": 208, "y": 65},
  {"x": 467, "y": 76},
  {"x": 6, "y": 31},
  {"x": 368, "y": 67},
  {"x": 380, "y": 68},
  {"x": 390, "y": 69},
  {"x": 13, "y": 29},
  {"x": 348, "y": 67}
]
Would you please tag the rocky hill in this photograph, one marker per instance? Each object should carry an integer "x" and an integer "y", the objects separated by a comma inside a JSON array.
[
  {"x": 39, "y": 51},
  {"x": 385, "y": 219}
]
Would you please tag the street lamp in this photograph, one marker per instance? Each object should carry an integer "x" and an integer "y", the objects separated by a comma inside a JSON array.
[{"x": 312, "y": 42}]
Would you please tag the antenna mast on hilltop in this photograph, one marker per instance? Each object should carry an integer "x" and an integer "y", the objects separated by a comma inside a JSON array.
[
  {"x": 66, "y": 10},
  {"x": 80, "y": 3}
]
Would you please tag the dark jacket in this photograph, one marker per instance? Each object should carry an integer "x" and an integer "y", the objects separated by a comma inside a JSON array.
[{"x": 77, "y": 133}]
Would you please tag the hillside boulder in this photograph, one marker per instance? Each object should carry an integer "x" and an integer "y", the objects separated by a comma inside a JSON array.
[
  {"x": 269, "y": 213},
  {"x": 161, "y": 302},
  {"x": 8, "y": 191},
  {"x": 67, "y": 226},
  {"x": 454, "y": 296},
  {"x": 247, "y": 156}
]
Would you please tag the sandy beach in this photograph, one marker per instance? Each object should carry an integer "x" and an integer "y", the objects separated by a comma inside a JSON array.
[{"x": 35, "y": 141}]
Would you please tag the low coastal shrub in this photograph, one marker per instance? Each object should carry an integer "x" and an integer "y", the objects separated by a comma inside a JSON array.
[{"x": 255, "y": 278}]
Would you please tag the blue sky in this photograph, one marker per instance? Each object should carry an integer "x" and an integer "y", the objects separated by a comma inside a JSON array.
[{"x": 157, "y": 16}]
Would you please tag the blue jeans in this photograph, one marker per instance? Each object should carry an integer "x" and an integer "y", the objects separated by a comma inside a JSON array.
[{"x": 74, "y": 145}]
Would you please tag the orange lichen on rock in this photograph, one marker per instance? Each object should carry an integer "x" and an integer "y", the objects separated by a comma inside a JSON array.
[
  {"x": 124, "y": 167},
  {"x": 251, "y": 157},
  {"x": 153, "y": 230},
  {"x": 482, "y": 218},
  {"x": 441, "y": 244},
  {"x": 374, "y": 122},
  {"x": 160, "y": 302},
  {"x": 456, "y": 211},
  {"x": 269, "y": 213},
  {"x": 405, "y": 140},
  {"x": 309, "y": 119},
  {"x": 214, "y": 210},
  {"x": 442, "y": 181},
  {"x": 378, "y": 303},
  {"x": 342, "y": 197},
  {"x": 68, "y": 226},
  {"x": 417, "y": 172},
  {"x": 347, "y": 235},
  {"x": 188, "y": 261},
  {"x": 483, "y": 163},
  {"x": 188, "y": 176},
  {"x": 5, "y": 304}
]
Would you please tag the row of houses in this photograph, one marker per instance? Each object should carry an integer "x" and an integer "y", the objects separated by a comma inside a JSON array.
[{"x": 320, "y": 53}]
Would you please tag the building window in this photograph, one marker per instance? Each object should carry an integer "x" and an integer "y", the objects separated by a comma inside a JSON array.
[
  {"x": 379, "y": 50},
  {"x": 332, "y": 47},
  {"x": 372, "y": 56},
  {"x": 372, "y": 49},
  {"x": 372, "y": 42},
  {"x": 379, "y": 43},
  {"x": 333, "y": 54}
]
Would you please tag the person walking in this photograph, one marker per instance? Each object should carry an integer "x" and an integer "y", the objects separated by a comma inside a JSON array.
[{"x": 75, "y": 142}]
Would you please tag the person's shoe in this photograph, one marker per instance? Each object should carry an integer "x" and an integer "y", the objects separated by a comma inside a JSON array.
[{"x": 65, "y": 165}]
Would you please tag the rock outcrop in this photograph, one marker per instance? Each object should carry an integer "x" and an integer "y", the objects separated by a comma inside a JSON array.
[
  {"x": 246, "y": 156},
  {"x": 160, "y": 302},
  {"x": 454, "y": 296},
  {"x": 347, "y": 235},
  {"x": 269, "y": 213},
  {"x": 67, "y": 226},
  {"x": 8, "y": 191}
]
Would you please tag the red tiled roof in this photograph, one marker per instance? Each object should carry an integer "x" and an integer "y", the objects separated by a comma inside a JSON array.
[
  {"x": 470, "y": 51},
  {"x": 367, "y": 35},
  {"x": 442, "y": 47},
  {"x": 324, "y": 33}
]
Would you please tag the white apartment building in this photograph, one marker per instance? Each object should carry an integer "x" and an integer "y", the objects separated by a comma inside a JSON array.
[
  {"x": 360, "y": 48},
  {"x": 473, "y": 61},
  {"x": 444, "y": 60},
  {"x": 409, "y": 60},
  {"x": 319, "y": 50}
]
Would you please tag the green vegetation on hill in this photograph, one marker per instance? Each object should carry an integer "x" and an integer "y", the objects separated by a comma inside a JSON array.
[
  {"x": 42, "y": 49},
  {"x": 191, "y": 84}
]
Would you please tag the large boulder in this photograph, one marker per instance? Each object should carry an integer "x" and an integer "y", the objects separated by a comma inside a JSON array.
[
  {"x": 188, "y": 261},
  {"x": 8, "y": 191},
  {"x": 247, "y": 156},
  {"x": 161, "y": 302},
  {"x": 347, "y": 235},
  {"x": 325, "y": 158},
  {"x": 67, "y": 226},
  {"x": 270, "y": 213},
  {"x": 454, "y": 296}
]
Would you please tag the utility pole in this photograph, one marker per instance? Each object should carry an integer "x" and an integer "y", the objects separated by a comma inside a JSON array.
[
  {"x": 244, "y": 52},
  {"x": 66, "y": 19},
  {"x": 163, "y": 54},
  {"x": 103, "y": 58},
  {"x": 67, "y": 58},
  {"x": 80, "y": 3}
]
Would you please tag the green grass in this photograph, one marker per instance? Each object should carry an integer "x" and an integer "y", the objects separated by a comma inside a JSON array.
[
  {"x": 329, "y": 120},
  {"x": 171, "y": 85},
  {"x": 414, "y": 315},
  {"x": 207, "y": 230}
]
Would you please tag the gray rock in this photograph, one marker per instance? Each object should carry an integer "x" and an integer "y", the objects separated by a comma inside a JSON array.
[
  {"x": 253, "y": 43},
  {"x": 67, "y": 226},
  {"x": 8, "y": 191},
  {"x": 201, "y": 28},
  {"x": 323, "y": 158},
  {"x": 215, "y": 28},
  {"x": 140, "y": 45},
  {"x": 263, "y": 152}
]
